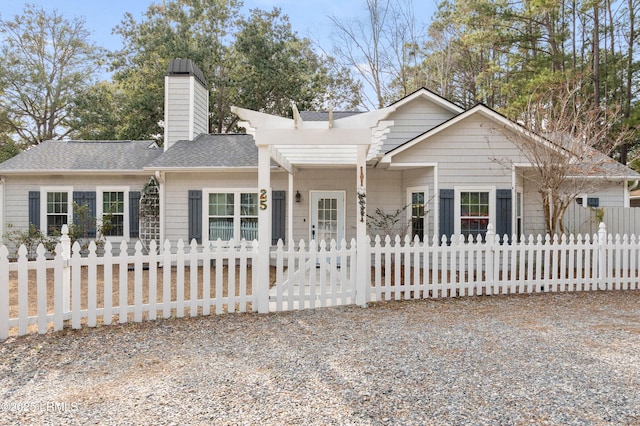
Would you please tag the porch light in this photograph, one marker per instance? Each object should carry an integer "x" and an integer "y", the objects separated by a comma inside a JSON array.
[{"x": 298, "y": 196}]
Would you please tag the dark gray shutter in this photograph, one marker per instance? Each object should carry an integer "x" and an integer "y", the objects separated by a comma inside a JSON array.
[
  {"x": 34, "y": 209},
  {"x": 134, "y": 210},
  {"x": 195, "y": 215},
  {"x": 278, "y": 215},
  {"x": 86, "y": 198},
  {"x": 447, "y": 213},
  {"x": 503, "y": 214},
  {"x": 593, "y": 202}
]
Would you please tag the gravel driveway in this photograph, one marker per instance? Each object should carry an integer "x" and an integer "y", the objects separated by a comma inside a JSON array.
[{"x": 503, "y": 360}]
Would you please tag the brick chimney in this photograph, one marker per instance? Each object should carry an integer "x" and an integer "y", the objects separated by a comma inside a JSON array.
[{"x": 186, "y": 102}]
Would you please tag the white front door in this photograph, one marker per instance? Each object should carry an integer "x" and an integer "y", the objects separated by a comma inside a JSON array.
[{"x": 327, "y": 216}]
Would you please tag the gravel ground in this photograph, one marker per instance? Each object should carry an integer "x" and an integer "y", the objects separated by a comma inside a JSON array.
[{"x": 503, "y": 360}]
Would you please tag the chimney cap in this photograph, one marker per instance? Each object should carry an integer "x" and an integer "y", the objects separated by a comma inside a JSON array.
[{"x": 179, "y": 67}]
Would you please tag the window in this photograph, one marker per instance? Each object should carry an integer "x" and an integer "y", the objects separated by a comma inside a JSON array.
[
  {"x": 57, "y": 212},
  {"x": 475, "y": 210},
  {"x": 233, "y": 215},
  {"x": 54, "y": 209},
  {"x": 518, "y": 214},
  {"x": 249, "y": 216},
  {"x": 113, "y": 213},
  {"x": 417, "y": 198}
]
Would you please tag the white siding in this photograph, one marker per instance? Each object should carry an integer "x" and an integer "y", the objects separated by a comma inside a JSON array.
[
  {"x": 469, "y": 153},
  {"x": 201, "y": 110},
  {"x": 186, "y": 109},
  {"x": 177, "y": 108},
  {"x": 178, "y": 185},
  {"x": 385, "y": 190},
  {"x": 609, "y": 193},
  {"x": 16, "y": 206},
  {"x": 414, "y": 119}
]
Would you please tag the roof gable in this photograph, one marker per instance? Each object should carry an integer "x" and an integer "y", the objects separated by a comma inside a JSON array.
[
  {"x": 431, "y": 97},
  {"x": 606, "y": 166},
  {"x": 478, "y": 109}
]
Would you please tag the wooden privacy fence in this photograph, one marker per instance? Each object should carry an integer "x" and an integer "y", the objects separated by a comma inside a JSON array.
[
  {"x": 84, "y": 288},
  {"x": 619, "y": 220}
]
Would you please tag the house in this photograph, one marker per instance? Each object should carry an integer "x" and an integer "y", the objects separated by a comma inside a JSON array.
[{"x": 314, "y": 176}]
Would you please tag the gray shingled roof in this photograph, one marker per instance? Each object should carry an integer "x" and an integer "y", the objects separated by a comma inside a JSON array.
[
  {"x": 324, "y": 115},
  {"x": 83, "y": 156},
  {"x": 209, "y": 151}
]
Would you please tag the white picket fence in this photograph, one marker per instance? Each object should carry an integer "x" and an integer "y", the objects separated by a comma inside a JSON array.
[
  {"x": 319, "y": 276},
  {"x": 41, "y": 294},
  {"x": 87, "y": 288}
]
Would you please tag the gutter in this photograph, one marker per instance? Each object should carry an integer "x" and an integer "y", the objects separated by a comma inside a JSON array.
[{"x": 75, "y": 172}]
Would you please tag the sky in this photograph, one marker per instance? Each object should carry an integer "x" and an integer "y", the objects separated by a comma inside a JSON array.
[{"x": 308, "y": 17}]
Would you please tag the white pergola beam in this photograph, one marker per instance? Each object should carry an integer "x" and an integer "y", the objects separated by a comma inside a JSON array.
[
  {"x": 319, "y": 137},
  {"x": 281, "y": 159}
]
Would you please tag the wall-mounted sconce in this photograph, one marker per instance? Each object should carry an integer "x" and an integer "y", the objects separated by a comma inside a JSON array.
[{"x": 298, "y": 196}]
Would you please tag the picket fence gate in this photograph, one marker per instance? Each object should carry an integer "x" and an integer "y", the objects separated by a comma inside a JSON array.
[{"x": 85, "y": 288}]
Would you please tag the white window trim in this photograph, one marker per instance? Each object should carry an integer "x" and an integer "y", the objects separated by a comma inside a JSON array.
[
  {"x": 583, "y": 197},
  {"x": 99, "y": 210},
  {"x": 410, "y": 191},
  {"x": 492, "y": 204},
  {"x": 43, "y": 205},
  {"x": 236, "y": 209}
]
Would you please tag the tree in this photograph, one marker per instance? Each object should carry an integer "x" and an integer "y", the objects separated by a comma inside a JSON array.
[
  {"x": 256, "y": 62},
  {"x": 45, "y": 61},
  {"x": 8, "y": 147},
  {"x": 564, "y": 161},
  {"x": 499, "y": 52},
  {"x": 97, "y": 111},
  {"x": 380, "y": 48},
  {"x": 275, "y": 66}
]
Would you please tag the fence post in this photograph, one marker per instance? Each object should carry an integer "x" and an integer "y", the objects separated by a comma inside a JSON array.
[
  {"x": 65, "y": 241},
  {"x": 490, "y": 242},
  {"x": 602, "y": 256}
]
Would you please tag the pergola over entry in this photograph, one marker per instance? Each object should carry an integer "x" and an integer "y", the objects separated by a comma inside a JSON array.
[{"x": 294, "y": 143}]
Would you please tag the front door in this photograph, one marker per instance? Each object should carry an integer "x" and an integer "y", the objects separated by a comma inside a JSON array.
[{"x": 327, "y": 216}]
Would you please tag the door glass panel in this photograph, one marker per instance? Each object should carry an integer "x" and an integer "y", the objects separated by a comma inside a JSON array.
[{"x": 327, "y": 219}]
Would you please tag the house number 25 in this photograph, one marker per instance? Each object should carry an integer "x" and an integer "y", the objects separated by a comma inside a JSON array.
[{"x": 263, "y": 199}]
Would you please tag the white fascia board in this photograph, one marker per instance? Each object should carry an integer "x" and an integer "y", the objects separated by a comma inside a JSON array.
[
  {"x": 73, "y": 172},
  {"x": 423, "y": 93}
]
